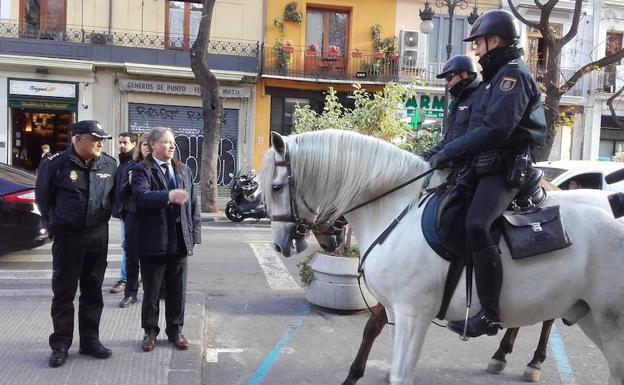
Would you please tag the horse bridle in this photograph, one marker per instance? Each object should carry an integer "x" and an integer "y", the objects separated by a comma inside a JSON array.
[{"x": 302, "y": 225}]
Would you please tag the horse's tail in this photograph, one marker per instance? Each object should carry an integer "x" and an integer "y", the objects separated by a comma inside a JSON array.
[{"x": 617, "y": 204}]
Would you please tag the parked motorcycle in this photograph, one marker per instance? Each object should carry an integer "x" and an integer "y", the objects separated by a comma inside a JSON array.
[{"x": 246, "y": 199}]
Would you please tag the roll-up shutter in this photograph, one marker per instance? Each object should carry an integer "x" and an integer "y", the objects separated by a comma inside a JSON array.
[{"x": 187, "y": 125}]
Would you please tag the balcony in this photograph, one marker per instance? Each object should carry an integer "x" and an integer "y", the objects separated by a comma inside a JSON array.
[
  {"x": 300, "y": 63},
  {"x": 122, "y": 46}
]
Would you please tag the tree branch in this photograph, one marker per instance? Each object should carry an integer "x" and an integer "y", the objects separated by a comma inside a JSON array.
[
  {"x": 587, "y": 68},
  {"x": 575, "y": 22},
  {"x": 520, "y": 17},
  {"x": 616, "y": 119}
]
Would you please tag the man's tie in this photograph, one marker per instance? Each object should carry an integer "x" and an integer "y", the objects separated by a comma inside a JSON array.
[{"x": 171, "y": 184}]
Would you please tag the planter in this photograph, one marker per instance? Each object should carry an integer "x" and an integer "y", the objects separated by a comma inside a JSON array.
[
  {"x": 357, "y": 54},
  {"x": 311, "y": 52},
  {"x": 394, "y": 57},
  {"x": 334, "y": 284},
  {"x": 379, "y": 55},
  {"x": 288, "y": 48}
]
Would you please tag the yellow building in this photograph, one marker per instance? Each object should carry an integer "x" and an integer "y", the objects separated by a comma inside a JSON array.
[{"x": 332, "y": 45}]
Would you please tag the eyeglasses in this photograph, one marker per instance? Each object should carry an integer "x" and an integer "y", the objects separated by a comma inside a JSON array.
[{"x": 450, "y": 76}]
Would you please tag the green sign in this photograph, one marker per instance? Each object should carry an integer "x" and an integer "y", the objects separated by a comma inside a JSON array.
[{"x": 42, "y": 105}]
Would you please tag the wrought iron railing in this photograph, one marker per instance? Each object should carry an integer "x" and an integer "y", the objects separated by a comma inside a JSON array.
[
  {"x": 319, "y": 64},
  {"x": 87, "y": 35}
]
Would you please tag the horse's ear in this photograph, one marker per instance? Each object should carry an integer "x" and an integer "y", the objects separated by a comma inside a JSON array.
[{"x": 278, "y": 143}]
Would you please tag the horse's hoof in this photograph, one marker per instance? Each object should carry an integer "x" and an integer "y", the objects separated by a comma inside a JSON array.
[
  {"x": 496, "y": 366},
  {"x": 531, "y": 374}
]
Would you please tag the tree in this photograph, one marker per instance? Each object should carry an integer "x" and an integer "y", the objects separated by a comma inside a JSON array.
[
  {"x": 554, "y": 87},
  {"x": 212, "y": 109}
]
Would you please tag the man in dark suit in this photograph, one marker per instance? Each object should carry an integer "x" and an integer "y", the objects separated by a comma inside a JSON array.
[{"x": 169, "y": 227}]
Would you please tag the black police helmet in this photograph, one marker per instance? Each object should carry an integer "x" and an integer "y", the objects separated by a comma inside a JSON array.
[
  {"x": 458, "y": 63},
  {"x": 496, "y": 22}
]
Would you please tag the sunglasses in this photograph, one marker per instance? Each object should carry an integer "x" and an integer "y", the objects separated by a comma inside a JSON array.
[{"x": 450, "y": 76}]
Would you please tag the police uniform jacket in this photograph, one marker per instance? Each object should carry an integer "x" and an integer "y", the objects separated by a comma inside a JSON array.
[
  {"x": 72, "y": 196},
  {"x": 509, "y": 116},
  {"x": 157, "y": 217},
  {"x": 459, "y": 116}
]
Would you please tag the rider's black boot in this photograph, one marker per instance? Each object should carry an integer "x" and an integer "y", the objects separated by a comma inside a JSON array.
[{"x": 489, "y": 278}]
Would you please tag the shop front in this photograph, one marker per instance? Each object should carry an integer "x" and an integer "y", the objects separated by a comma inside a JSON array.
[
  {"x": 186, "y": 121},
  {"x": 40, "y": 113}
]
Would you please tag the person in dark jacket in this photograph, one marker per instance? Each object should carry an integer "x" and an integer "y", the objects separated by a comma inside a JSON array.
[
  {"x": 169, "y": 217},
  {"x": 126, "y": 144},
  {"x": 462, "y": 80},
  {"x": 75, "y": 192},
  {"x": 509, "y": 122},
  {"x": 127, "y": 213}
]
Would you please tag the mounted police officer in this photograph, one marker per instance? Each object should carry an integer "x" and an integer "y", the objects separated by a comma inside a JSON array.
[
  {"x": 75, "y": 192},
  {"x": 508, "y": 122},
  {"x": 462, "y": 80}
]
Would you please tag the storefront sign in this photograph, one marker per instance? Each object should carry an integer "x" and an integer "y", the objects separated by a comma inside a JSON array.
[
  {"x": 41, "y": 105},
  {"x": 42, "y": 89},
  {"x": 178, "y": 88}
]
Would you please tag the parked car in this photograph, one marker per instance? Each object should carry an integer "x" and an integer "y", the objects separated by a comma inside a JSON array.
[
  {"x": 576, "y": 174},
  {"x": 21, "y": 226}
]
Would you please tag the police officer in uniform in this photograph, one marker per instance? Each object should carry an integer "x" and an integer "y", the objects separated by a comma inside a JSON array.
[
  {"x": 75, "y": 192},
  {"x": 462, "y": 80},
  {"x": 508, "y": 122}
]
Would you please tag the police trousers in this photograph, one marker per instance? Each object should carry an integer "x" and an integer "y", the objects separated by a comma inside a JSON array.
[{"x": 78, "y": 258}]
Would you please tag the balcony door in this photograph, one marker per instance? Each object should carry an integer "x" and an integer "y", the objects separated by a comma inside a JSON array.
[
  {"x": 182, "y": 24},
  {"x": 44, "y": 19},
  {"x": 438, "y": 40},
  {"x": 328, "y": 30}
]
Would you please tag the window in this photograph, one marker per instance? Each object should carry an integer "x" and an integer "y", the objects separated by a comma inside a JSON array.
[
  {"x": 182, "y": 24},
  {"x": 325, "y": 28},
  {"x": 537, "y": 55},
  {"x": 42, "y": 18},
  {"x": 438, "y": 38}
]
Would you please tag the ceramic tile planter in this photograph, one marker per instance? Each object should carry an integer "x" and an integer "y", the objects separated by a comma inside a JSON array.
[{"x": 334, "y": 285}]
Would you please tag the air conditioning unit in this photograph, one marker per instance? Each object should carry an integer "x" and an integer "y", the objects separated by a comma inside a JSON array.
[{"x": 409, "y": 48}]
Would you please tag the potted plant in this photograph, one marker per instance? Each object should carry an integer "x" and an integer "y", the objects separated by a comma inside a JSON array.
[
  {"x": 291, "y": 13},
  {"x": 312, "y": 49},
  {"x": 379, "y": 55},
  {"x": 333, "y": 51},
  {"x": 288, "y": 48},
  {"x": 357, "y": 53}
]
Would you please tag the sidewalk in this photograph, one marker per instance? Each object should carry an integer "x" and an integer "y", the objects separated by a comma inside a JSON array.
[{"x": 25, "y": 351}]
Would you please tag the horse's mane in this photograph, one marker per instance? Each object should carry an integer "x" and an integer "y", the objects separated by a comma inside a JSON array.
[{"x": 343, "y": 168}]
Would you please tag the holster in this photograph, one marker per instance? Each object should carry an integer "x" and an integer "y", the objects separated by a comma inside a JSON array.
[
  {"x": 518, "y": 170},
  {"x": 487, "y": 163}
]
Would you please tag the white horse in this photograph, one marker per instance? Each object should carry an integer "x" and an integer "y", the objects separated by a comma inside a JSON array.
[{"x": 333, "y": 171}]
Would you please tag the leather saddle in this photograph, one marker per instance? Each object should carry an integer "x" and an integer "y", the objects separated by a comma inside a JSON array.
[{"x": 444, "y": 216}]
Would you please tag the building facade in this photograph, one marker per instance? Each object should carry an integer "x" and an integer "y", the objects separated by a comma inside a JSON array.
[{"x": 126, "y": 64}]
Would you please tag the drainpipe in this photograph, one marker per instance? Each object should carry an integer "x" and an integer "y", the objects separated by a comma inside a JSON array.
[{"x": 110, "y": 16}]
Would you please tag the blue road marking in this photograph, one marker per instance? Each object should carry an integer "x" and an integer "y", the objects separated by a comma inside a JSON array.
[
  {"x": 561, "y": 358},
  {"x": 272, "y": 357}
]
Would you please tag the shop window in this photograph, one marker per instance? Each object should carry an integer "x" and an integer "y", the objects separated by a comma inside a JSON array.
[
  {"x": 182, "y": 24},
  {"x": 282, "y": 111},
  {"x": 44, "y": 19}
]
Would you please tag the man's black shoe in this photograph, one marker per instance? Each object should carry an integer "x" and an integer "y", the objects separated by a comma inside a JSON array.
[
  {"x": 127, "y": 301},
  {"x": 96, "y": 349},
  {"x": 58, "y": 357},
  {"x": 478, "y": 325}
]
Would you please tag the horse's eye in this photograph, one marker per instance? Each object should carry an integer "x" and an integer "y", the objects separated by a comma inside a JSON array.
[{"x": 277, "y": 187}]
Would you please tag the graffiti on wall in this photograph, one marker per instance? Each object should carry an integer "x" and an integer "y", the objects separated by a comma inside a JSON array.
[{"x": 187, "y": 126}]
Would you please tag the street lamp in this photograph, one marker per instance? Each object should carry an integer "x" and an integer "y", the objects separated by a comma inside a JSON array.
[{"x": 426, "y": 26}]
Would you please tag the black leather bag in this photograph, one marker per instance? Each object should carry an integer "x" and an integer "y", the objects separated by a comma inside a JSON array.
[{"x": 538, "y": 232}]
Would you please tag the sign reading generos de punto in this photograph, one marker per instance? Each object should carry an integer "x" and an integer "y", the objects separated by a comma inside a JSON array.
[
  {"x": 178, "y": 88},
  {"x": 42, "y": 89}
]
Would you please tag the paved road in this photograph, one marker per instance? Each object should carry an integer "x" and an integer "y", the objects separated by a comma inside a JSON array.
[{"x": 257, "y": 329}]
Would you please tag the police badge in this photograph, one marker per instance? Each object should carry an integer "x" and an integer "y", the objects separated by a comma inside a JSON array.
[
  {"x": 73, "y": 175},
  {"x": 508, "y": 83}
]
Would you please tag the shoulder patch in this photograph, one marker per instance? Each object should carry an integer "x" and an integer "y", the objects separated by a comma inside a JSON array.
[{"x": 508, "y": 83}]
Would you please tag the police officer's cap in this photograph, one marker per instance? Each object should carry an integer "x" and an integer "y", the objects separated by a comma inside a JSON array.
[
  {"x": 92, "y": 127},
  {"x": 456, "y": 64},
  {"x": 496, "y": 22}
]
